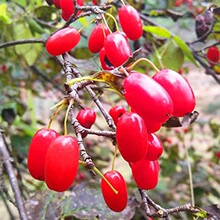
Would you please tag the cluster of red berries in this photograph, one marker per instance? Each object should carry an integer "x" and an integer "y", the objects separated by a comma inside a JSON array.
[
  {"x": 113, "y": 47},
  {"x": 54, "y": 158},
  {"x": 151, "y": 100}
]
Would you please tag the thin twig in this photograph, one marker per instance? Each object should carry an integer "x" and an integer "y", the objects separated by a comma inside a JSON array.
[
  {"x": 12, "y": 178},
  {"x": 162, "y": 212},
  {"x": 18, "y": 42}
]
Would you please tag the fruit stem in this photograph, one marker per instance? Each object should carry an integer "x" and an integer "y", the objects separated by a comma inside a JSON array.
[
  {"x": 106, "y": 23},
  {"x": 85, "y": 25},
  {"x": 100, "y": 174},
  {"x": 112, "y": 17},
  {"x": 66, "y": 116},
  {"x": 55, "y": 114},
  {"x": 143, "y": 59},
  {"x": 58, "y": 104}
]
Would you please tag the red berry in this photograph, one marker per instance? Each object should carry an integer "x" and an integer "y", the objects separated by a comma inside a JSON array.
[
  {"x": 56, "y": 3},
  {"x": 37, "y": 151},
  {"x": 116, "y": 202},
  {"x": 148, "y": 98},
  {"x": 86, "y": 117},
  {"x": 117, "y": 48},
  {"x": 218, "y": 154},
  {"x": 178, "y": 3},
  {"x": 155, "y": 147},
  {"x": 179, "y": 90},
  {"x": 97, "y": 37},
  {"x": 131, "y": 137},
  {"x": 105, "y": 63},
  {"x": 145, "y": 173},
  {"x": 130, "y": 22},
  {"x": 62, "y": 41},
  {"x": 61, "y": 163},
  {"x": 68, "y": 8},
  {"x": 116, "y": 112},
  {"x": 213, "y": 55}
]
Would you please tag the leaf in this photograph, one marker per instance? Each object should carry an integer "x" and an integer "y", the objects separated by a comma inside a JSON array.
[
  {"x": 3, "y": 14},
  {"x": 20, "y": 143},
  {"x": 29, "y": 51},
  {"x": 45, "y": 13},
  {"x": 159, "y": 31},
  {"x": 186, "y": 50},
  {"x": 170, "y": 55},
  {"x": 86, "y": 202}
]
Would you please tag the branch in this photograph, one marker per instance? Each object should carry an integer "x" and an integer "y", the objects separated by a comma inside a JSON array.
[
  {"x": 18, "y": 42},
  {"x": 162, "y": 212},
  {"x": 12, "y": 177}
]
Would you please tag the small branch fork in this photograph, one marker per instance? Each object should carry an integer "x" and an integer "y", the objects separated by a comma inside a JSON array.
[{"x": 161, "y": 212}]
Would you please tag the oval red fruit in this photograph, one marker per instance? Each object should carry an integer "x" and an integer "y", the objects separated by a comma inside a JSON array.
[
  {"x": 179, "y": 90},
  {"x": 213, "y": 55},
  {"x": 61, "y": 163},
  {"x": 155, "y": 147},
  {"x": 97, "y": 37},
  {"x": 105, "y": 63},
  {"x": 131, "y": 137},
  {"x": 62, "y": 41},
  {"x": 130, "y": 21},
  {"x": 86, "y": 117},
  {"x": 37, "y": 151},
  {"x": 145, "y": 173},
  {"x": 116, "y": 202},
  {"x": 116, "y": 112},
  {"x": 68, "y": 8},
  {"x": 147, "y": 98},
  {"x": 117, "y": 48}
]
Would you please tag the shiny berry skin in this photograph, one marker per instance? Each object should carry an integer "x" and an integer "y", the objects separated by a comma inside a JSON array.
[
  {"x": 145, "y": 173},
  {"x": 155, "y": 147},
  {"x": 213, "y": 55},
  {"x": 117, "y": 48},
  {"x": 179, "y": 90},
  {"x": 62, "y": 41},
  {"x": 131, "y": 137},
  {"x": 116, "y": 202},
  {"x": 86, "y": 117},
  {"x": 116, "y": 112},
  {"x": 147, "y": 98},
  {"x": 105, "y": 63},
  {"x": 68, "y": 8},
  {"x": 61, "y": 163},
  {"x": 37, "y": 151},
  {"x": 130, "y": 21},
  {"x": 97, "y": 37}
]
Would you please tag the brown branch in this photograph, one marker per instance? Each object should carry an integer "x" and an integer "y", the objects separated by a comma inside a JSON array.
[
  {"x": 12, "y": 177},
  {"x": 19, "y": 42},
  {"x": 162, "y": 212}
]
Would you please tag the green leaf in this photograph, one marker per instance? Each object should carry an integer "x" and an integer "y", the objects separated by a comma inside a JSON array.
[
  {"x": 201, "y": 214},
  {"x": 35, "y": 27},
  {"x": 4, "y": 17},
  {"x": 171, "y": 56},
  {"x": 159, "y": 31},
  {"x": 29, "y": 51},
  {"x": 186, "y": 50}
]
